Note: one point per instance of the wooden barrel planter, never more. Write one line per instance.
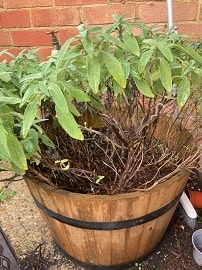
(113, 231)
(108, 231)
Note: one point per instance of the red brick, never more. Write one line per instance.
(157, 12)
(30, 38)
(27, 3)
(103, 14)
(79, 2)
(14, 18)
(5, 38)
(194, 30)
(1, 3)
(65, 34)
(54, 17)
(44, 53)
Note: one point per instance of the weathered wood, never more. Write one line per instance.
(108, 247)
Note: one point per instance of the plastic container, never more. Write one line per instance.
(197, 246)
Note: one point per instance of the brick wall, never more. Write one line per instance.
(24, 23)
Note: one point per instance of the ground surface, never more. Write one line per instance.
(35, 249)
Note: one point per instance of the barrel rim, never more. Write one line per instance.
(182, 173)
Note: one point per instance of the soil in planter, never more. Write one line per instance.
(101, 164)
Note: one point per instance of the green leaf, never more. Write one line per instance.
(65, 117)
(183, 92)
(29, 116)
(31, 77)
(6, 115)
(77, 93)
(144, 59)
(9, 100)
(31, 142)
(166, 52)
(115, 69)
(88, 44)
(100, 177)
(190, 51)
(17, 155)
(29, 93)
(5, 76)
(4, 151)
(126, 68)
(62, 53)
(114, 40)
(93, 73)
(151, 42)
(5, 194)
(144, 88)
(47, 141)
(131, 44)
(43, 87)
(165, 74)
(71, 106)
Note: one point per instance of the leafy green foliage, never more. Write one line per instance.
(5, 194)
(97, 61)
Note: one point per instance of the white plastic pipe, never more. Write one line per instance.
(188, 207)
(170, 13)
(184, 200)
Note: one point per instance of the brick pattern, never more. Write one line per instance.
(26, 3)
(23, 24)
(5, 38)
(14, 19)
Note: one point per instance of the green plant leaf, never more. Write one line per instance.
(144, 59)
(93, 73)
(75, 92)
(29, 77)
(86, 40)
(43, 87)
(6, 115)
(62, 53)
(100, 177)
(47, 141)
(165, 74)
(166, 52)
(65, 117)
(115, 69)
(5, 76)
(71, 106)
(126, 68)
(190, 51)
(4, 153)
(5, 194)
(31, 142)
(144, 88)
(131, 44)
(183, 92)
(114, 40)
(17, 155)
(29, 116)
(9, 100)
(28, 93)
(88, 45)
